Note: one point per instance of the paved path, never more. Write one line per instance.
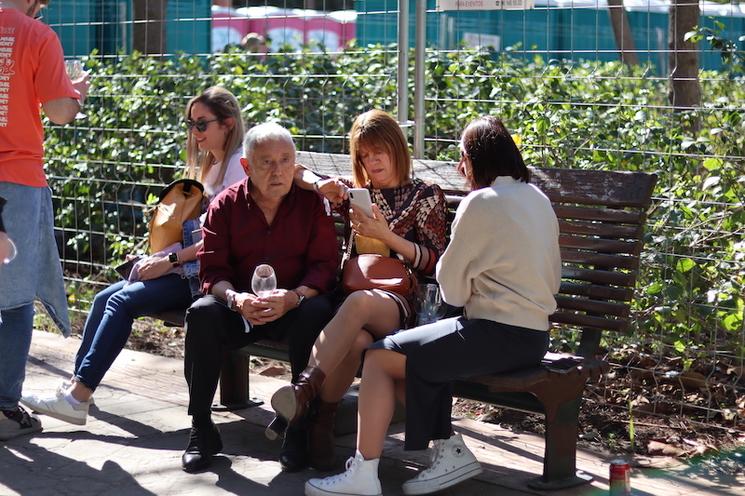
(135, 435)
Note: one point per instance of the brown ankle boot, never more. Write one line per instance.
(292, 402)
(321, 436)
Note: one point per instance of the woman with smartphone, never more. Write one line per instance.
(391, 214)
(213, 150)
(503, 266)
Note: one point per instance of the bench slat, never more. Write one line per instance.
(600, 229)
(595, 187)
(600, 245)
(596, 291)
(581, 320)
(569, 255)
(608, 215)
(599, 276)
(593, 306)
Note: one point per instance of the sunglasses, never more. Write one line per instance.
(200, 125)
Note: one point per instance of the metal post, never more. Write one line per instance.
(421, 40)
(403, 63)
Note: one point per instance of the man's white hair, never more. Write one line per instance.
(268, 131)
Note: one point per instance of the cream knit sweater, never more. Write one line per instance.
(503, 261)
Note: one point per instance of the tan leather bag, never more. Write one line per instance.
(178, 202)
(369, 271)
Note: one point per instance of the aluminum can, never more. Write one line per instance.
(620, 478)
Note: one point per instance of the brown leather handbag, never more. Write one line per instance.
(375, 271)
(369, 271)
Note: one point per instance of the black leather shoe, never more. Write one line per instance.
(203, 443)
(294, 454)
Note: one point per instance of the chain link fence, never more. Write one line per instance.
(583, 83)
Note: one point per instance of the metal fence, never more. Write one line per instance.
(552, 70)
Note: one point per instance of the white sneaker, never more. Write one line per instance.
(58, 407)
(360, 479)
(66, 385)
(452, 462)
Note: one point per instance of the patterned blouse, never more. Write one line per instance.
(417, 212)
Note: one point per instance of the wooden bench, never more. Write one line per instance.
(601, 218)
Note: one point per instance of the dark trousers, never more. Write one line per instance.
(212, 329)
(450, 349)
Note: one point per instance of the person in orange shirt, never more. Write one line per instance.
(32, 78)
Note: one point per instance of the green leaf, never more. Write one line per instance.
(684, 265)
(679, 346)
(712, 164)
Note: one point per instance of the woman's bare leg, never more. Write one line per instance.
(80, 391)
(337, 384)
(383, 368)
(372, 311)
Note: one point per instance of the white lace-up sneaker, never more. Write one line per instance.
(58, 407)
(360, 479)
(452, 462)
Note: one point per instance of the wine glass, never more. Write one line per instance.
(74, 68)
(12, 252)
(430, 304)
(264, 281)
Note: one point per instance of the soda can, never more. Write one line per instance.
(620, 478)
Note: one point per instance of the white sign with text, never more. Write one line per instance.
(484, 4)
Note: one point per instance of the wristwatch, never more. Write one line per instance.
(173, 258)
(230, 299)
(300, 297)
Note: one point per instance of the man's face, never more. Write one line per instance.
(271, 168)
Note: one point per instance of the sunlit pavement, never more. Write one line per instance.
(135, 434)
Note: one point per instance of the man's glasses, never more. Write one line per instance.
(200, 125)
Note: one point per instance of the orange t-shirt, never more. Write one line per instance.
(32, 72)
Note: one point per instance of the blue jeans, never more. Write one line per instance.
(15, 341)
(109, 322)
(36, 273)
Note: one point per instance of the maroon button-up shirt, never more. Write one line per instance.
(300, 244)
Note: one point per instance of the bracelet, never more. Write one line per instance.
(315, 185)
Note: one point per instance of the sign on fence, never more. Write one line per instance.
(484, 4)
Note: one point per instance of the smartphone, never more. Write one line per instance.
(360, 199)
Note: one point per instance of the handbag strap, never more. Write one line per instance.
(348, 249)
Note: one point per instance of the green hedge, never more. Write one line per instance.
(587, 115)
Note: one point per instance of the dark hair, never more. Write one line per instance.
(492, 152)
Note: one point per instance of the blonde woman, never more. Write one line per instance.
(215, 132)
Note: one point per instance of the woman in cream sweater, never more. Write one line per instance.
(503, 266)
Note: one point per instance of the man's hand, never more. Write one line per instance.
(267, 309)
(153, 268)
(333, 190)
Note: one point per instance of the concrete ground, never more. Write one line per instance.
(135, 434)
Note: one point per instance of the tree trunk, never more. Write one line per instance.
(148, 32)
(622, 32)
(685, 92)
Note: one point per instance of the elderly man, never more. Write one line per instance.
(32, 78)
(264, 219)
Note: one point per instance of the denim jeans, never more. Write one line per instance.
(15, 340)
(109, 322)
(35, 273)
